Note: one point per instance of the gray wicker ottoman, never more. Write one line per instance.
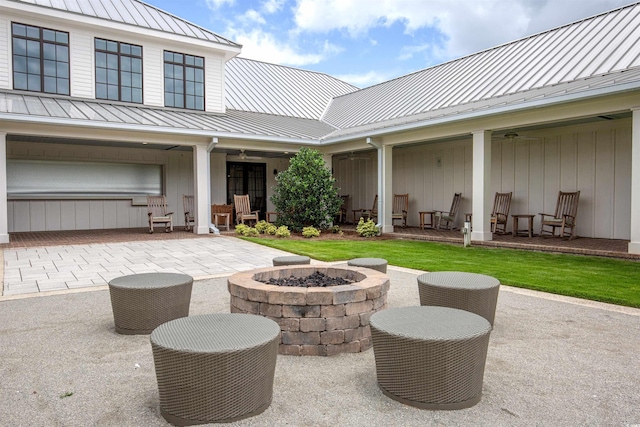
(142, 302)
(215, 367)
(472, 292)
(430, 357)
(379, 264)
(291, 260)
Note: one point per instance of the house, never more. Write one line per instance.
(104, 102)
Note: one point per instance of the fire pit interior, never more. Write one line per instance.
(315, 320)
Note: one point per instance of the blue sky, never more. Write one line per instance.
(365, 42)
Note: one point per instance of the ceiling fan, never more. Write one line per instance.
(353, 157)
(244, 156)
(512, 136)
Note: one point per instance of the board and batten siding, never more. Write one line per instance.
(595, 159)
(152, 75)
(213, 86)
(45, 215)
(82, 68)
(5, 49)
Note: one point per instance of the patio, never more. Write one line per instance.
(551, 361)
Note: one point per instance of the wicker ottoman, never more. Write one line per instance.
(379, 264)
(215, 367)
(142, 302)
(472, 292)
(430, 357)
(291, 260)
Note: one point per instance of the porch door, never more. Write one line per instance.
(251, 179)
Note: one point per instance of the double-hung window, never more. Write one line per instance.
(118, 71)
(183, 81)
(40, 59)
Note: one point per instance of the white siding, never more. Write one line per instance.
(82, 64)
(152, 77)
(41, 215)
(5, 49)
(214, 89)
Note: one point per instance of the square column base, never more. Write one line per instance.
(481, 236)
(634, 247)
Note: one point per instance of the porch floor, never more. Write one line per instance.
(580, 245)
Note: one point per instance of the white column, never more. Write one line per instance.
(4, 222)
(201, 179)
(385, 185)
(634, 244)
(481, 186)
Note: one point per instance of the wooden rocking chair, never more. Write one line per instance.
(400, 208)
(189, 212)
(341, 216)
(448, 217)
(500, 212)
(157, 211)
(564, 217)
(371, 214)
(243, 209)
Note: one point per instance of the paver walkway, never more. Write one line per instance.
(53, 268)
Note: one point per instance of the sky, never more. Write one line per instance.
(365, 42)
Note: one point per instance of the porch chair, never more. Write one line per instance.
(157, 211)
(500, 212)
(243, 209)
(341, 216)
(448, 217)
(189, 212)
(369, 213)
(564, 217)
(400, 208)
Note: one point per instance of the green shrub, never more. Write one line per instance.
(305, 194)
(262, 226)
(336, 230)
(367, 228)
(283, 231)
(310, 232)
(240, 228)
(250, 232)
(271, 229)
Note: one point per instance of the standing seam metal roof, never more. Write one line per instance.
(133, 12)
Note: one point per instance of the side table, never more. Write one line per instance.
(424, 214)
(517, 231)
(224, 215)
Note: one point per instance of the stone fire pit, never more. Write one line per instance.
(315, 321)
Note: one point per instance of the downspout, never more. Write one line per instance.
(210, 147)
(381, 194)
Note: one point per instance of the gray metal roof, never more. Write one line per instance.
(133, 12)
(273, 89)
(604, 44)
(74, 111)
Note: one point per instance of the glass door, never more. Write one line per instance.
(251, 179)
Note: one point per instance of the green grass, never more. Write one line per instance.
(594, 278)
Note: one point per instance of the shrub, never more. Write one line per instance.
(250, 232)
(310, 232)
(283, 231)
(336, 230)
(271, 229)
(367, 228)
(240, 228)
(262, 226)
(305, 194)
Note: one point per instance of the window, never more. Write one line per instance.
(118, 71)
(183, 81)
(40, 59)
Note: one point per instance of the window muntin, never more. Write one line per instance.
(183, 81)
(40, 59)
(118, 71)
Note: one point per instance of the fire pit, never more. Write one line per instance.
(315, 321)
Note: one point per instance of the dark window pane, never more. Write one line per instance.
(19, 47)
(33, 82)
(20, 81)
(62, 37)
(101, 75)
(188, 59)
(168, 56)
(178, 57)
(178, 72)
(33, 66)
(112, 77)
(168, 99)
(191, 102)
(101, 91)
(63, 70)
(125, 48)
(199, 89)
(199, 76)
(136, 95)
(101, 60)
(189, 73)
(136, 65)
(101, 44)
(178, 101)
(112, 61)
(136, 50)
(199, 103)
(168, 85)
(63, 86)
(62, 53)
(199, 62)
(50, 84)
(112, 92)
(33, 32)
(49, 51)
(125, 94)
(125, 63)
(20, 64)
(33, 49)
(168, 70)
(189, 89)
(136, 80)
(112, 46)
(49, 70)
(19, 30)
(49, 35)
(178, 86)
(125, 79)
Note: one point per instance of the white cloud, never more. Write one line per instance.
(364, 80)
(272, 6)
(252, 17)
(215, 4)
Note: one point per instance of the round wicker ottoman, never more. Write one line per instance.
(472, 292)
(215, 367)
(291, 260)
(430, 357)
(142, 302)
(379, 264)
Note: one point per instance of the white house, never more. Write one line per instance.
(104, 102)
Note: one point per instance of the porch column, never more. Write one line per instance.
(201, 189)
(481, 207)
(4, 222)
(634, 244)
(385, 185)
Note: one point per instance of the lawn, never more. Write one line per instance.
(594, 278)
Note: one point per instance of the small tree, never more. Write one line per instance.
(305, 193)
